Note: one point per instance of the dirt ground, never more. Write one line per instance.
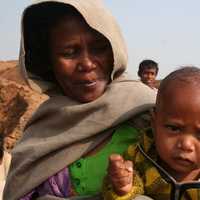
(17, 103)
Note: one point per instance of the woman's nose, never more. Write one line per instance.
(86, 62)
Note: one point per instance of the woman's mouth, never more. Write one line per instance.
(87, 84)
(90, 84)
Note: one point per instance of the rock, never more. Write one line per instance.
(17, 104)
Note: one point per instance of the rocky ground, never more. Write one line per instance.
(17, 103)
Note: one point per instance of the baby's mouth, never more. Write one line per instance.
(184, 161)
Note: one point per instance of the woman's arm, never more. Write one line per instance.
(58, 185)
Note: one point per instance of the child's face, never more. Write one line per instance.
(82, 59)
(176, 124)
(148, 76)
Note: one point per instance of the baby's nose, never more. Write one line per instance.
(186, 143)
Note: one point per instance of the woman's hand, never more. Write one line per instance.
(120, 173)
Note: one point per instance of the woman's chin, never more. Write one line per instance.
(86, 95)
(87, 98)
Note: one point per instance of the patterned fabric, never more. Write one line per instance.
(137, 188)
(141, 121)
(153, 184)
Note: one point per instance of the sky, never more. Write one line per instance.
(166, 31)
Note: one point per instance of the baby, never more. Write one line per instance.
(166, 162)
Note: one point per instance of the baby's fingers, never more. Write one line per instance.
(128, 165)
(119, 173)
(121, 182)
(115, 160)
(116, 163)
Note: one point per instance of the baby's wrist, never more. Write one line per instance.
(123, 190)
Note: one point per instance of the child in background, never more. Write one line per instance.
(166, 162)
(148, 70)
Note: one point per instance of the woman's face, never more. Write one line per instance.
(82, 59)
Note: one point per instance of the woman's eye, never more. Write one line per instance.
(68, 53)
(100, 48)
(173, 128)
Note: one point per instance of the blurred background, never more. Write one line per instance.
(165, 31)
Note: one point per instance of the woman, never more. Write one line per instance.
(73, 50)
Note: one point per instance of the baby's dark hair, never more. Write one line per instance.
(38, 22)
(147, 64)
(186, 75)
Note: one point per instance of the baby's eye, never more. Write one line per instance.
(173, 128)
(198, 135)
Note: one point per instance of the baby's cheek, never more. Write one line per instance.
(198, 161)
(198, 156)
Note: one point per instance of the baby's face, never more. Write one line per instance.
(176, 124)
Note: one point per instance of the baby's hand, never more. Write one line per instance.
(120, 173)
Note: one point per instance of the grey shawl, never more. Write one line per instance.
(62, 130)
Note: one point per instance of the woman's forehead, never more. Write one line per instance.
(73, 26)
(72, 22)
